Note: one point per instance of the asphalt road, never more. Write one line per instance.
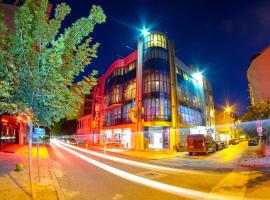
(82, 178)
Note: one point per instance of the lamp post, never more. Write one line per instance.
(0, 132)
(228, 109)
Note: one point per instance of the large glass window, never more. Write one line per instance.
(155, 40)
(190, 116)
(117, 115)
(116, 94)
(155, 53)
(129, 89)
(112, 117)
(156, 108)
(118, 72)
(156, 81)
(126, 108)
(130, 67)
(189, 94)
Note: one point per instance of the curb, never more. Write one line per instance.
(254, 165)
(58, 190)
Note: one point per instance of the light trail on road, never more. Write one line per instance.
(133, 163)
(179, 191)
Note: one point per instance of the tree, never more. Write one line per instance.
(260, 111)
(39, 63)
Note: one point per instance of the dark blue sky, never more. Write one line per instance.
(219, 36)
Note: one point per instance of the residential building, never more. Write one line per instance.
(258, 77)
(149, 99)
(225, 125)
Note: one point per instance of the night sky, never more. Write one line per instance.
(219, 36)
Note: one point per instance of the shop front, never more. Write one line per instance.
(157, 137)
(119, 137)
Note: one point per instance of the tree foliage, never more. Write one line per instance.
(38, 64)
(261, 112)
(258, 111)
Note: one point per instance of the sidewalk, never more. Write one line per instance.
(258, 159)
(15, 185)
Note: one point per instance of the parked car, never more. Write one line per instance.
(221, 145)
(252, 142)
(199, 143)
(234, 141)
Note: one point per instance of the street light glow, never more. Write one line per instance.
(145, 32)
(198, 77)
(228, 109)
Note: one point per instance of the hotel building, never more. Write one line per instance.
(149, 99)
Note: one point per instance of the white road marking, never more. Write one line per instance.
(133, 163)
(179, 191)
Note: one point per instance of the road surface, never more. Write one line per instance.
(85, 176)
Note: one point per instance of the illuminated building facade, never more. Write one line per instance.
(150, 99)
(224, 125)
(258, 77)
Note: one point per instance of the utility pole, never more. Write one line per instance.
(30, 125)
(0, 132)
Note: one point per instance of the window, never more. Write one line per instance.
(116, 94)
(129, 90)
(118, 72)
(126, 108)
(188, 94)
(156, 108)
(112, 117)
(155, 53)
(155, 40)
(116, 116)
(155, 81)
(130, 67)
(190, 116)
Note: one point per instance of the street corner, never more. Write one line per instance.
(256, 163)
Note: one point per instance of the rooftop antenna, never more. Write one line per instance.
(119, 57)
(130, 48)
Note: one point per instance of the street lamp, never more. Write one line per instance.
(198, 77)
(145, 32)
(228, 109)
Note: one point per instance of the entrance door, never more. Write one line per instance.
(126, 140)
(155, 138)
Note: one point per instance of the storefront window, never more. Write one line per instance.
(157, 137)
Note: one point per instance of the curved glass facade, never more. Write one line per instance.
(156, 92)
